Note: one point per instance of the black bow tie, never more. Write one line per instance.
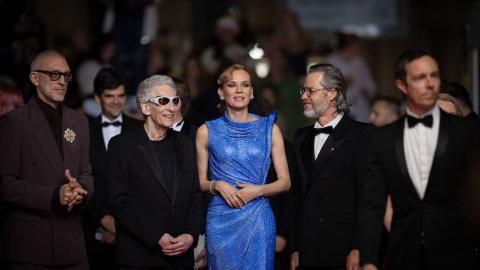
(115, 124)
(327, 130)
(426, 121)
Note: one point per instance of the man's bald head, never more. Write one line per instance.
(41, 58)
(50, 74)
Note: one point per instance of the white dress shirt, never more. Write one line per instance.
(178, 126)
(419, 143)
(321, 138)
(111, 131)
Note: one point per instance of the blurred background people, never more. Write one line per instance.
(462, 99)
(225, 48)
(102, 55)
(10, 97)
(361, 86)
(385, 110)
(449, 104)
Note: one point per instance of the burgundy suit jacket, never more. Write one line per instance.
(31, 169)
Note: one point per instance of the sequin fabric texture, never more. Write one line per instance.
(240, 238)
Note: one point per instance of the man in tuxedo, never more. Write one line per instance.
(98, 222)
(45, 172)
(420, 161)
(153, 185)
(180, 123)
(331, 164)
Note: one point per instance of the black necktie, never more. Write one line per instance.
(115, 124)
(327, 130)
(426, 121)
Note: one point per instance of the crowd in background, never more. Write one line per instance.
(122, 43)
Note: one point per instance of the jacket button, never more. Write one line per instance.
(321, 220)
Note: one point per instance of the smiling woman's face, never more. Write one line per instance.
(237, 92)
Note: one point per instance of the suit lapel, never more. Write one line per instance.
(43, 135)
(400, 153)
(186, 128)
(177, 163)
(70, 140)
(146, 148)
(128, 124)
(98, 135)
(439, 151)
(307, 155)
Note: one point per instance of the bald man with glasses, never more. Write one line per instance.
(46, 176)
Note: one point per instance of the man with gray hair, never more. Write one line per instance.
(153, 185)
(331, 161)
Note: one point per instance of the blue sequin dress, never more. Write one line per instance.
(240, 238)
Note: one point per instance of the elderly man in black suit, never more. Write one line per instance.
(331, 164)
(98, 222)
(45, 173)
(153, 185)
(419, 161)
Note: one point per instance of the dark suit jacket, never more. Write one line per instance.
(31, 166)
(325, 199)
(436, 225)
(142, 204)
(98, 206)
(189, 129)
(279, 204)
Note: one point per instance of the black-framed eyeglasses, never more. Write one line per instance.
(309, 90)
(56, 75)
(162, 100)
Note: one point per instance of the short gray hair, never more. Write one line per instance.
(144, 88)
(333, 78)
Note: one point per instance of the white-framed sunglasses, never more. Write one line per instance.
(162, 100)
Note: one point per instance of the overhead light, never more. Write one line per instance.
(256, 52)
(145, 40)
(262, 68)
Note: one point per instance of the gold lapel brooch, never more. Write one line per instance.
(69, 135)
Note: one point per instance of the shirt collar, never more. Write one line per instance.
(435, 112)
(332, 123)
(180, 123)
(46, 108)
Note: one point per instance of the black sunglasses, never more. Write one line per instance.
(56, 75)
(162, 100)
